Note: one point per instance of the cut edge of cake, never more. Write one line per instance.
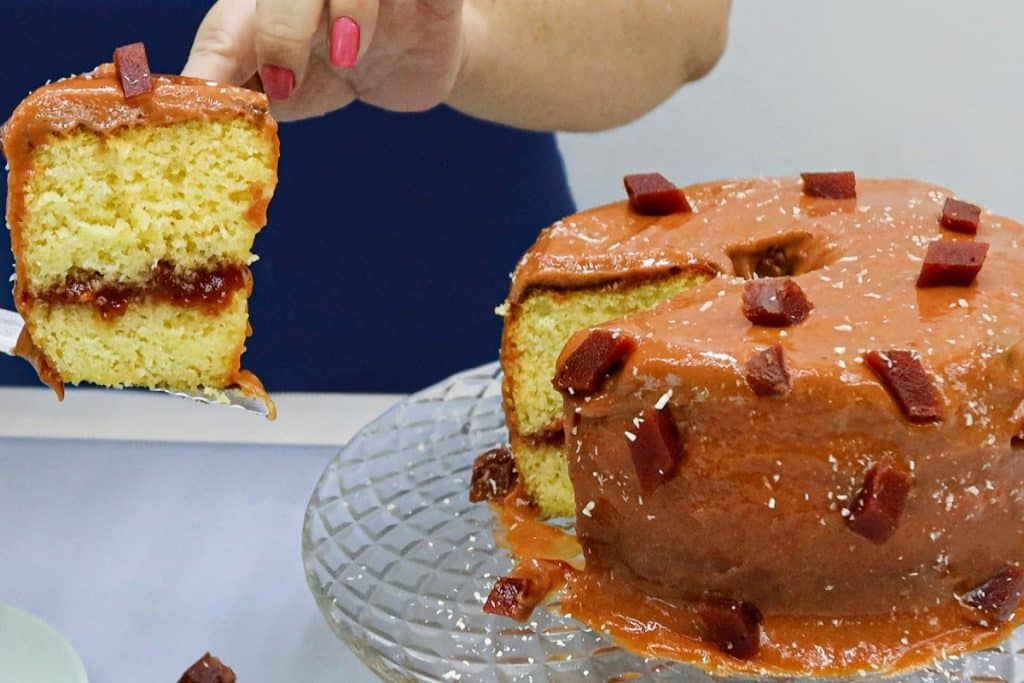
(536, 330)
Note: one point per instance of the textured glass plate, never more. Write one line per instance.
(400, 562)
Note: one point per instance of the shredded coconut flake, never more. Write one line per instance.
(663, 401)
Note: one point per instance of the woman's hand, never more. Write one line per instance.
(541, 64)
(314, 56)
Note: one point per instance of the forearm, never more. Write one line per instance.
(582, 64)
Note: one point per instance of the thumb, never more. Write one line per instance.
(224, 48)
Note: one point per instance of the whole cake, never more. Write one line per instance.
(133, 203)
(814, 437)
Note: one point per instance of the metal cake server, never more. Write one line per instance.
(11, 325)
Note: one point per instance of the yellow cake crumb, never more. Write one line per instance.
(152, 344)
(544, 472)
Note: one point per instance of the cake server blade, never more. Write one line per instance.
(11, 325)
(10, 328)
(228, 397)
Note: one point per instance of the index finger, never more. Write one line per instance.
(224, 48)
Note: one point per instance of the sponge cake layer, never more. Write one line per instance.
(118, 204)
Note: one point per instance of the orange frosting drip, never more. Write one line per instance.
(48, 375)
(522, 532)
(251, 385)
(791, 645)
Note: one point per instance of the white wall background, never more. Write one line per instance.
(933, 90)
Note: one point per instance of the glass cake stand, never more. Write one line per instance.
(400, 562)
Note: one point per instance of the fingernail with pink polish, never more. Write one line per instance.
(278, 82)
(344, 43)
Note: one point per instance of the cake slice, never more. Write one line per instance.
(133, 203)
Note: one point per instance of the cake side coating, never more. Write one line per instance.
(758, 508)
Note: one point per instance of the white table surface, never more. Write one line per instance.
(148, 529)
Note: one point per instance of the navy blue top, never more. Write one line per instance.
(390, 238)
